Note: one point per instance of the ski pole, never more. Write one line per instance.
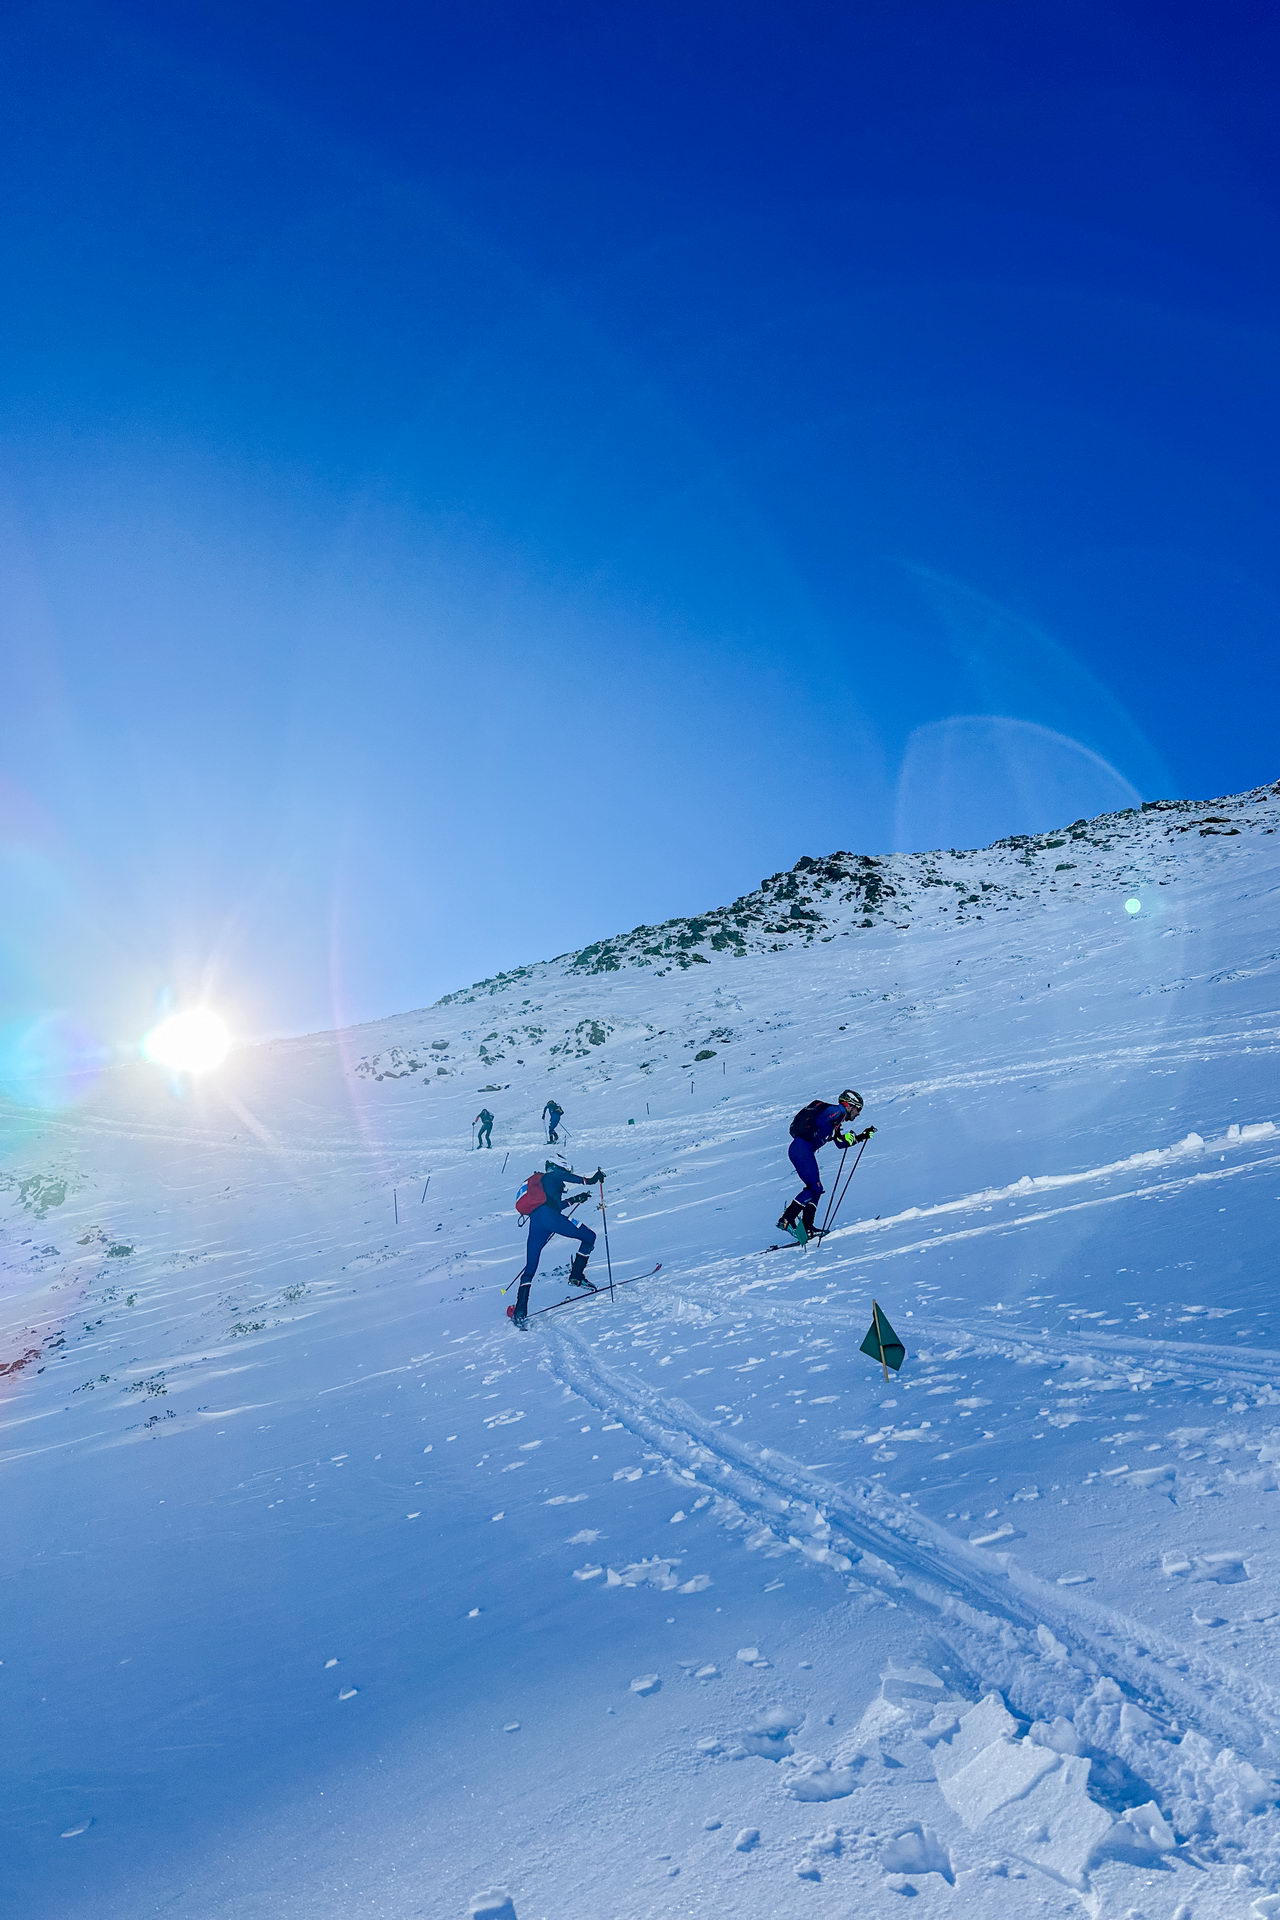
(835, 1188)
(608, 1258)
(853, 1169)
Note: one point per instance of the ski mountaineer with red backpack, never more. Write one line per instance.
(541, 1199)
(811, 1129)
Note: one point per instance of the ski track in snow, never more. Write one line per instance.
(995, 1623)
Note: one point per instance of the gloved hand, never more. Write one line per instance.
(597, 1175)
(864, 1136)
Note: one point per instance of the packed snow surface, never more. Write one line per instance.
(330, 1596)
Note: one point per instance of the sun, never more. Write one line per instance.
(193, 1042)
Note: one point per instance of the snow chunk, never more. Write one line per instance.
(769, 1735)
(1030, 1800)
(901, 1684)
(808, 1778)
(747, 1838)
(1224, 1569)
(1142, 1830)
(646, 1683)
(491, 1906)
(654, 1572)
(916, 1850)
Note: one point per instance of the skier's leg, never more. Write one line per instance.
(805, 1161)
(540, 1231)
(577, 1230)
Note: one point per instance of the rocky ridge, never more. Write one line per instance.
(836, 897)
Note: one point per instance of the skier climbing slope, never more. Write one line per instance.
(812, 1128)
(541, 1200)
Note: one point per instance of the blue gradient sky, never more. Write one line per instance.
(478, 477)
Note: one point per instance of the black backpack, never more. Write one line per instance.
(805, 1124)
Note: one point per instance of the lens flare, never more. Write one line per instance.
(1133, 906)
(194, 1042)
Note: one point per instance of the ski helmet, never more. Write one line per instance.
(851, 1100)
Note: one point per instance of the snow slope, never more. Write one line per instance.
(329, 1595)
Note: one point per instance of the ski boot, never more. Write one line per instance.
(578, 1272)
(519, 1318)
(804, 1229)
(787, 1218)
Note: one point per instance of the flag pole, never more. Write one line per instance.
(875, 1317)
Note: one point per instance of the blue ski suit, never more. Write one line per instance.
(547, 1220)
(803, 1154)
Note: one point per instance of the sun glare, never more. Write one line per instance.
(194, 1042)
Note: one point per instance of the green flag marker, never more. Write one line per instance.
(882, 1343)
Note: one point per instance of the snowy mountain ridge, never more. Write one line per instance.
(823, 901)
(842, 893)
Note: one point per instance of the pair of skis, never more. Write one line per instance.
(591, 1291)
(809, 1240)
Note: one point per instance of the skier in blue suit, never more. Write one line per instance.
(549, 1219)
(811, 1129)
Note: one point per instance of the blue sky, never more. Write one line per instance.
(477, 478)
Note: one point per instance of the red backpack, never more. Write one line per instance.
(531, 1196)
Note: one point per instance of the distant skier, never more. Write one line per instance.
(811, 1129)
(484, 1120)
(552, 1115)
(542, 1199)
